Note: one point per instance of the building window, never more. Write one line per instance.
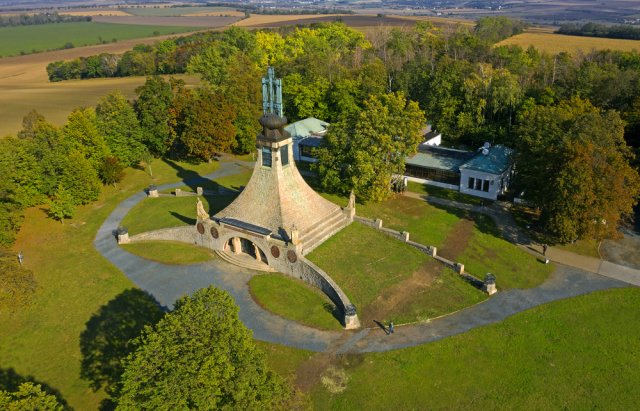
(478, 184)
(266, 156)
(306, 151)
(284, 155)
(471, 183)
(485, 186)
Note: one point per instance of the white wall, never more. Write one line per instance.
(494, 183)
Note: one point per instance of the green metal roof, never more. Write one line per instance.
(433, 160)
(495, 162)
(306, 127)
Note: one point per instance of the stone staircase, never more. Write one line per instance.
(322, 230)
(244, 260)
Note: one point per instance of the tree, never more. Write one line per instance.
(111, 171)
(153, 109)
(573, 164)
(62, 205)
(81, 133)
(199, 356)
(79, 179)
(365, 151)
(29, 396)
(119, 125)
(208, 125)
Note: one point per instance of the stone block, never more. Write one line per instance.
(434, 251)
(378, 223)
(123, 235)
(405, 236)
(178, 192)
(489, 284)
(199, 191)
(459, 268)
(153, 191)
(351, 321)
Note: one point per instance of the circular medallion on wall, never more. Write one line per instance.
(214, 232)
(275, 251)
(200, 228)
(291, 256)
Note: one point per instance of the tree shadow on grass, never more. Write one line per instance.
(108, 336)
(10, 380)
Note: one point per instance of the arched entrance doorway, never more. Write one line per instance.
(239, 245)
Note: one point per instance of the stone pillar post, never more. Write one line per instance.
(178, 192)
(237, 245)
(256, 250)
(123, 235)
(378, 223)
(199, 191)
(405, 236)
(153, 191)
(434, 251)
(351, 321)
(459, 268)
(295, 236)
(489, 285)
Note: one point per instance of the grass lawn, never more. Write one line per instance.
(389, 280)
(165, 212)
(74, 281)
(440, 192)
(364, 267)
(512, 266)
(578, 353)
(232, 182)
(169, 252)
(42, 37)
(291, 298)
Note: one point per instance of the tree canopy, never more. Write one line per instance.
(199, 356)
(573, 163)
(364, 151)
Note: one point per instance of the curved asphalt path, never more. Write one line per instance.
(167, 283)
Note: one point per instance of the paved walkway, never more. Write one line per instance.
(167, 283)
(500, 213)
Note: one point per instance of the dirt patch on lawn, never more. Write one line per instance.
(393, 299)
(457, 240)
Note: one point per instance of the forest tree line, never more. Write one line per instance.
(620, 31)
(39, 18)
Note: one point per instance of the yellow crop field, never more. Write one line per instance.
(91, 13)
(24, 85)
(233, 13)
(264, 20)
(556, 43)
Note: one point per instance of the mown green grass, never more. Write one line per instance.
(169, 252)
(42, 37)
(512, 266)
(578, 353)
(425, 223)
(439, 192)
(291, 298)
(232, 182)
(171, 211)
(364, 261)
(74, 281)
(447, 294)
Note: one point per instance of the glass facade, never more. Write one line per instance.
(433, 174)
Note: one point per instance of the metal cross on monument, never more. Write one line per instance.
(271, 93)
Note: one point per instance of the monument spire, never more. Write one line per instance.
(272, 93)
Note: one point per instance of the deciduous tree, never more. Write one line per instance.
(200, 356)
(573, 163)
(365, 151)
